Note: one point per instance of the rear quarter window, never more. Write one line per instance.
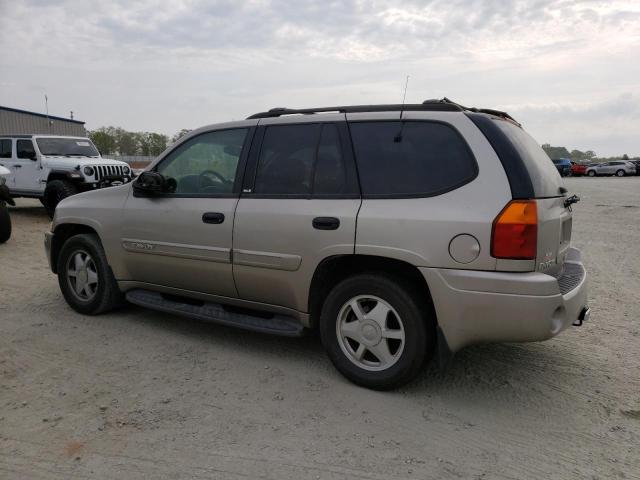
(413, 158)
(545, 179)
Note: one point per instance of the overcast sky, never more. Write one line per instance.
(568, 70)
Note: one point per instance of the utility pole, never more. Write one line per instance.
(46, 106)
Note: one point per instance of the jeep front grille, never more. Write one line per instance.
(108, 170)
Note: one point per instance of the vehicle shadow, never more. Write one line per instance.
(478, 369)
(29, 212)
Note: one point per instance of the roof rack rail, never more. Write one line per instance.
(497, 113)
(440, 107)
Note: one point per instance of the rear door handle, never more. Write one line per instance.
(213, 217)
(18, 166)
(326, 223)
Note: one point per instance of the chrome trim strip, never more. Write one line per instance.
(277, 261)
(178, 250)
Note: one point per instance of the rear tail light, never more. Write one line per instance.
(515, 231)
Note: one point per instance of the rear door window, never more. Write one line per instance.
(25, 149)
(5, 148)
(302, 160)
(413, 158)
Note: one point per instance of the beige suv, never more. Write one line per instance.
(398, 231)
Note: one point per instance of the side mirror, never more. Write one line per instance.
(151, 184)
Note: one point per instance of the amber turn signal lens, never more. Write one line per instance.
(515, 231)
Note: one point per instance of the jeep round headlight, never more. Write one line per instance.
(126, 170)
(89, 171)
(2, 181)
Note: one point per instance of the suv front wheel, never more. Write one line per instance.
(85, 278)
(377, 331)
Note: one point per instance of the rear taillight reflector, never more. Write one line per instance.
(515, 231)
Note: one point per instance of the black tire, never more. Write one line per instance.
(620, 173)
(591, 173)
(56, 191)
(417, 319)
(107, 296)
(5, 223)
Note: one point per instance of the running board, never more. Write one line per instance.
(214, 312)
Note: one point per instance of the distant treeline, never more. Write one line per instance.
(579, 156)
(118, 141)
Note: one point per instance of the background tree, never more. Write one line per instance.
(556, 152)
(104, 140)
(179, 135)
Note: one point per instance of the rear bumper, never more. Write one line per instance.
(481, 307)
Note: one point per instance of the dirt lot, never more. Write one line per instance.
(139, 394)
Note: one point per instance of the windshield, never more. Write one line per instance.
(67, 147)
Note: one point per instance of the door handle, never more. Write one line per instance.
(213, 217)
(18, 166)
(326, 223)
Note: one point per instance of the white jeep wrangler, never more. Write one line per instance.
(51, 167)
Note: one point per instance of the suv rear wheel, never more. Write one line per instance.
(85, 278)
(377, 331)
(56, 191)
(620, 173)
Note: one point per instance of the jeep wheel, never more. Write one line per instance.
(56, 191)
(85, 277)
(620, 173)
(591, 173)
(377, 331)
(5, 223)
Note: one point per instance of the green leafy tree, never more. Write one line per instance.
(179, 135)
(104, 140)
(152, 144)
(128, 142)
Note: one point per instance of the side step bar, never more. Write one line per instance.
(213, 312)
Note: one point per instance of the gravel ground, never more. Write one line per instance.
(140, 394)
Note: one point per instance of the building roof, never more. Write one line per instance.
(51, 117)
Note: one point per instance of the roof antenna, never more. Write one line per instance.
(398, 138)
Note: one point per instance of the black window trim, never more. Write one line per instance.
(347, 156)
(435, 193)
(242, 160)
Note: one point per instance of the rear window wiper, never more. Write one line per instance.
(571, 200)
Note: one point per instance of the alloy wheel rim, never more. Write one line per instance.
(370, 332)
(82, 275)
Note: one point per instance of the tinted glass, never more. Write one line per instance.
(330, 176)
(25, 149)
(67, 147)
(410, 158)
(5, 148)
(545, 178)
(205, 164)
(286, 159)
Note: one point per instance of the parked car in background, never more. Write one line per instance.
(253, 224)
(563, 165)
(619, 168)
(578, 169)
(5, 198)
(52, 168)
